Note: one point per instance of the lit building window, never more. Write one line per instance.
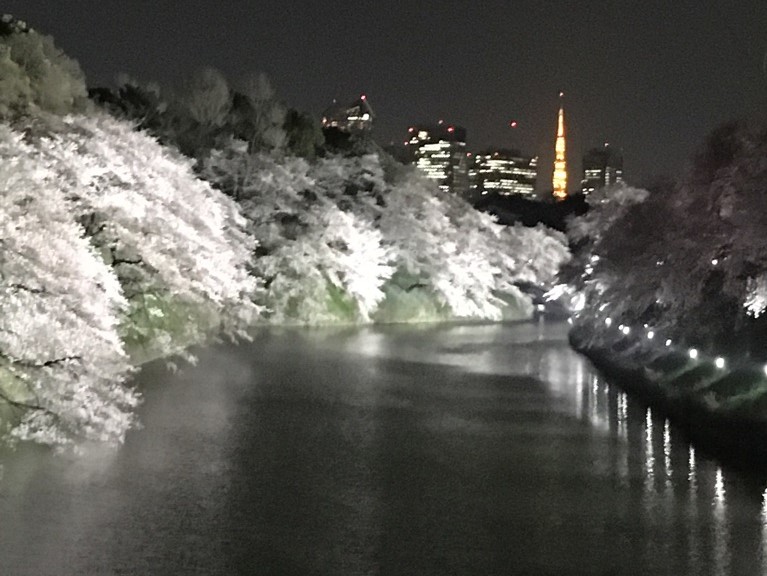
(602, 167)
(440, 153)
(504, 172)
(356, 117)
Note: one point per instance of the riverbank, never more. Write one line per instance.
(722, 411)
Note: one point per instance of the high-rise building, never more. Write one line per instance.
(439, 151)
(559, 180)
(503, 172)
(352, 118)
(601, 167)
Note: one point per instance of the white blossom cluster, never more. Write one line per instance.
(92, 219)
(756, 296)
(348, 239)
(165, 232)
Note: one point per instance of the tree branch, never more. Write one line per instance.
(27, 289)
(21, 405)
(117, 261)
(49, 363)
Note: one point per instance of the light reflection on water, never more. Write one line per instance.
(764, 531)
(679, 499)
(681, 495)
(721, 527)
(496, 449)
(649, 455)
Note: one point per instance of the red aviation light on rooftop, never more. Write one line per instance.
(513, 124)
(411, 130)
(451, 129)
(363, 97)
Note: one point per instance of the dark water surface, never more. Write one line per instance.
(427, 451)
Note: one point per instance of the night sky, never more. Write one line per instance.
(651, 77)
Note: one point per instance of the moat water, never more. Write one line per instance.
(463, 449)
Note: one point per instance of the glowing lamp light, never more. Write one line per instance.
(411, 129)
(450, 129)
(765, 369)
(608, 321)
(626, 330)
(513, 124)
(719, 362)
(363, 97)
(668, 342)
(650, 335)
(693, 353)
(715, 261)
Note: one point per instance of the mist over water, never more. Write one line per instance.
(464, 449)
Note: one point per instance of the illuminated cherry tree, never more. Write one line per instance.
(177, 246)
(462, 256)
(690, 260)
(355, 238)
(62, 364)
(318, 263)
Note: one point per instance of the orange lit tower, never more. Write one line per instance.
(560, 164)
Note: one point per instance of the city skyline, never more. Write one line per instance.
(351, 118)
(506, 171)
(655, 77)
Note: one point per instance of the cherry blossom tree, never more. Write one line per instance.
(177, 246)
(688, 260)
(107, 238)
(318, 263)
(462, 257)
(62, 364)
(353, 238)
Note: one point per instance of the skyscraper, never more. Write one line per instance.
(601, 167)
(503, 172)
(439, 151)
(559, 180)
(352, 118)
